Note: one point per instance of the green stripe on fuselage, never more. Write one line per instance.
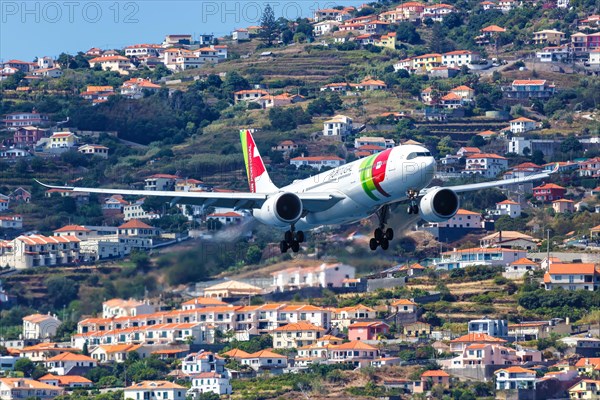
(366, 176)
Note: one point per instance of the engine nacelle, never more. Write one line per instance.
(280, 210)
(439, 205)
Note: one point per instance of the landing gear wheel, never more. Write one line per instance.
(300, 236)
(288, 236)
(415, 209)
(373, 243)
(378, 234)
(409, 210)
(384, 243)
(283, 246)
(389, 233)
(295, 246)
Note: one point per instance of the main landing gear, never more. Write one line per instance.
(291, 240)
(413, 207)
(382, 236)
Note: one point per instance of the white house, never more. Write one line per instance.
(209, 382)
(163, 390)
(240, 34)
(379, 141)
(123, 308)
(519, 268)
(507, 207)
(459, 58)
(318, 162)
(478, 256)
(40, 326)
(265, 360)
(486, 164)
(23, 388)
(463, 219)
(324, 27)
(63, 363)
(324, 275)
(522, 125)
(512, 378)
(116, 63)
(340, 125)
(94, 149)
(575, 276)
(203, 361)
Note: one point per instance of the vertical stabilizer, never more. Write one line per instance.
(258, 178)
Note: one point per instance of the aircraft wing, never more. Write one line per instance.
(486, 185)
(312, 202)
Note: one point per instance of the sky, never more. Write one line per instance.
(30, 29)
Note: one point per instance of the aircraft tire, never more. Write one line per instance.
(389, 233)
(373, 243)
(300, 236)
(283, 246)
(378, 234)
(384, 243)
(295, 246)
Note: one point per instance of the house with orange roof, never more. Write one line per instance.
(70, 381)
(588, 365)
(136, 228)
(438, 11)
(65, 363)
(324, 275)
(451, 101)
(411, 11)
(120, 308)
(522, 125)
(520, 268)
(587, 389)
(464, 92)
(513, 378)
(507, 207)
(572, 276)
(463, 219)
(45, 350)
(24, 388)
(488, 165)
(343, 317)
(231, 288)
(367, 330)
(251, 95)
(107, 353)
(209, 382)
(459, 344)
(40, 326)
(265, 360)
(39, 250)
(430, 378)
(424, 63)
(403, 306)
(202, 361)
(61, 141)
(549, 192)
(115, 63)
(150, 389)
(354, 352)
(387, 40)
(161, 182)
(458, 58)
(201, 302)
(525, 89)
(284, 99)
(369, 84)
(94, 150)
(295, 335)
(135, 88)
(509, 240)
(482, 355)
(562, 206)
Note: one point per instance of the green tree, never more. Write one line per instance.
(25, 365)
(269, 28)
(253, 255)
(61, 291)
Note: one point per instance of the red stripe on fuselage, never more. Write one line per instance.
(378, 170)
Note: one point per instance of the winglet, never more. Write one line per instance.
(556, 167)
(258, 177)
(52, 186)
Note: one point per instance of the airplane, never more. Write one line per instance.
(342, 195)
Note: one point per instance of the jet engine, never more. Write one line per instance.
(439, 205)
(280, 210)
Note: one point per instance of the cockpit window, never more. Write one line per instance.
(410, 156)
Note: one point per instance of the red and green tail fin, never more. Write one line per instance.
(258, 178)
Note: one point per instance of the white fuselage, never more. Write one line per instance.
(367, 186)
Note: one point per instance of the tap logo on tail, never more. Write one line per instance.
(258, 179)
(372, 173)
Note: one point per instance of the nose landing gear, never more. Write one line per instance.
(382, 236)
(291, 240)
(413, 207)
